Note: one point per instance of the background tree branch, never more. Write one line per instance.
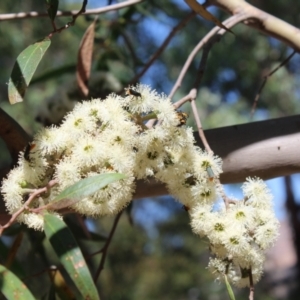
(262, 21)
(96, 11)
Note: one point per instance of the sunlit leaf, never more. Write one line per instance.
(12, 287)
(70, 256)
(24, 68)
(88, 186)
(199, 9)
(84, 59)
(52, 7)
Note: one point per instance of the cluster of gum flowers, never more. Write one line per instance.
(239, 235)
(141, 136)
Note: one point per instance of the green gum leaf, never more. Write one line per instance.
(88, 186)
(24, 68)
(70, 255)
(12, 287)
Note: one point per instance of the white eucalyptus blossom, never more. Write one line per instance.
(257, 193)
(112, 136)
(240, 234)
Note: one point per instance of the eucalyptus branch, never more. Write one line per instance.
(199, 124)
(262, 21)
(228, 23)
(185, 99)
(96, 11)
(32, 197)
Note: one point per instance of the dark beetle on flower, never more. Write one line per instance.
(28, 148)
(131, 92)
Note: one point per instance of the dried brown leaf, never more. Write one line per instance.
(84, 59)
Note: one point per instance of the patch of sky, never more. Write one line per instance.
(158, 27)
(96, 3)
(156, 77)
(294, 65)
(226, 74)
(232, 97)
(91, 3)
(173, 241)
(261, 114)
(274, 42)
(277, 188)
(296, 187)
(150, 212)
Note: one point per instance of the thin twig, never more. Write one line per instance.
(158, 52)
(206, 48)
(198, 123)
(105, 248)
(96, 11)
(35, 194)
(251, 294)
(230, 22)
(220, 187)
(74, 17)
(206, 145)
(202, 65)
(266, 77)
(185, 99)
(196, 85)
